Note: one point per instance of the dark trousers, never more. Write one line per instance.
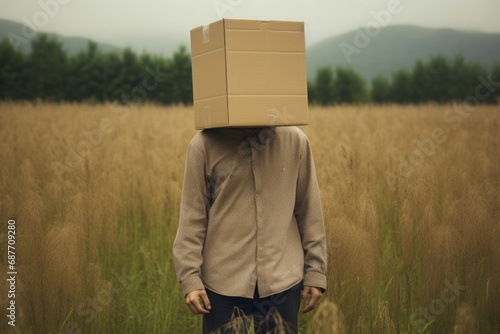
(234, 314)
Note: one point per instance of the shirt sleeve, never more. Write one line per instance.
(309, 215)
(189, 241)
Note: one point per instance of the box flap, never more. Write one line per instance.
(211, 113)
(207, 38)
(275, 36)
(263, 25)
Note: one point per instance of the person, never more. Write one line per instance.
(251, 242)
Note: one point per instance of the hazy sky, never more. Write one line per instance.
(106, 20)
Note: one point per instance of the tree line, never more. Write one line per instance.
(437, 80)
(49, 73)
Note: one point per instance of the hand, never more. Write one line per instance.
(313, 301)
(193, 300)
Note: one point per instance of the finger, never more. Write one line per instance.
(199, 308)
(189, 304)
(312, 302)
(191, 308)
(193, 302)
(196, 304)
(206, 301)
(305, 292)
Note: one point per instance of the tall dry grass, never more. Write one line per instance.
(423, 241)
(95, 234)
(412, 247)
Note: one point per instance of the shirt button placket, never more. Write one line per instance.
(258, 213)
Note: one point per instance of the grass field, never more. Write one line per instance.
(411, 198)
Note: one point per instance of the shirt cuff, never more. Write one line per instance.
(191, 283)
(315, 279)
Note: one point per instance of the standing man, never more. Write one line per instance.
(251, 240)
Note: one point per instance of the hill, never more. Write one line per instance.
(71, 45)
(163, 45)
(398, 47)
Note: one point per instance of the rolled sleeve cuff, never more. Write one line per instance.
(191, 283)
(315, 279)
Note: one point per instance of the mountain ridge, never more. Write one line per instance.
(22, 40)
(73, 44)
(400, 46)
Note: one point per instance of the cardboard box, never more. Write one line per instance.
(249, 73)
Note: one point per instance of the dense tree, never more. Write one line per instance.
(495, 78)
(12, 73)
(439, 80)
(324, 86)
(87, 75)
(180, 76)
(112, 69)
(311, 92)
(401, 88)
(348, 86)
(419, 80)
(47, 75)
(459, 70)
(380, 89)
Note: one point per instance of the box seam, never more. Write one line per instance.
(225, 68)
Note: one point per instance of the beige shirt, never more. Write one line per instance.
(250, 212)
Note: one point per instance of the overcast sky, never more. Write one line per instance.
(105, 20)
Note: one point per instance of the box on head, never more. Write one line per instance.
(249, 73)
